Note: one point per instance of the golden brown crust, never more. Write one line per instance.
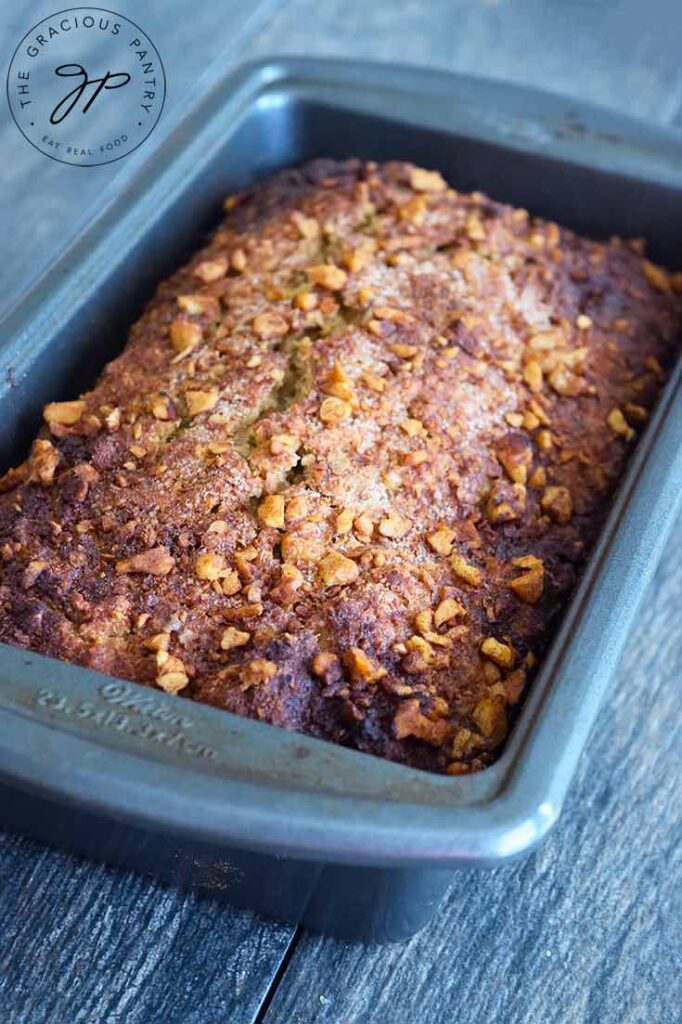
(347, 469)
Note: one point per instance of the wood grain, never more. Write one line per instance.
(82, 944)
(589, 930)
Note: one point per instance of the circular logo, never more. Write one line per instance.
(86, 86)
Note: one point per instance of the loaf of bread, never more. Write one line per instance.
(347, 469)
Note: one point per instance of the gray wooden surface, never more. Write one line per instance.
(589, 930)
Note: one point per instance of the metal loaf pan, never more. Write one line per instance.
(288, 825)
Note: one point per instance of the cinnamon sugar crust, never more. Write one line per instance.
(348, 468)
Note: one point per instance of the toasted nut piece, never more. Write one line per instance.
(301, 547)
(257, 672)
(505, 502)
(337, 570)
(515, 452)
(412, 427)
(423, 621)
(43, 462)
(232, 638)
(657, 277)
(344, 521)
(465, 571)
(529, 586)
(211, 270)
(357, 259)
(491, 718)
(201, 401)
(544, 440)
(447, 610)
(157, 561)
(338, 383)
(172, 676)
(583, 322)
(324, 663)
(361, 667)
(305, 301)
(538, 477)
(619, 425)
(441, 540)
(270, 325)
(184, 335)
(195, 305)
(66, 414)
(271, 511)
(308, 227)
(426, 181)
(210, 567)
(333, 411)
(500, 654)
(158, 642)
(328, 275)
(532, 374)
(159, 407)
(557, 503)
(238, 261)
(409, 721)
(394, 526)
(230, 583)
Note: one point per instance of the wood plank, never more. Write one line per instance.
(587, 931)
(620, 54)
(85, 944)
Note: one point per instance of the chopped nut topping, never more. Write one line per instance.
(344, 521)
(409, 721)
(441, 540)
(337, 570)
(490, 717)
(230, 583)
(195, 305)
(257, 672)
(532, 374)
(426, 181)
(156, 561)
(333, 411)
(619, 425)
(529, 586)
(308, 227)
(465, 571)
(583, 322)
(324, 663)
(505, 502)
(238, 261)
(270, 325)
(201, 401)
(65, 414)
(210, 567)
(338, 383)
(557, 503)
(447, 610)
(232, 638)
(361, 667)
(185, 335)
(211, 270)
(271, 511)
(657, 277)
(515, 452)
(301, 547)
(329, 276)
(412, 427)
(172, 676)
(394, 526)
(500, 654)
